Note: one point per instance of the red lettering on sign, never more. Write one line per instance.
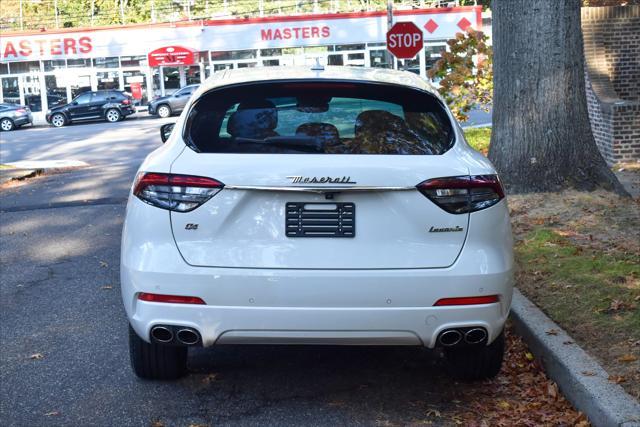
(295, 33)
(56, 47)
(25, 48)
(41, 43)
(85, 44)
(69, 46)
(9, 50)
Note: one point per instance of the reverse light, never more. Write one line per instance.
(173, 299)
(463, 194)
(488, 299)
(177, 193)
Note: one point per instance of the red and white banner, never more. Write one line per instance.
(235, 34)
(172, 55)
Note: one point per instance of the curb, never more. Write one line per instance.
(604, 403)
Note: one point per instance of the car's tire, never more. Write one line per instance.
(476, 362)
(58, 120)
(6, 125)
(156, 361)
(112, 115)
(163, 111)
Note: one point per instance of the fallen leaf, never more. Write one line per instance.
(588, 373)
(552, 390)
(618, 379)
(52, 414)
(433, 413)
(209, 378)
(567, 342)
(503, 404)
(627, 358)
(156, 423)
(552, 332)
(106, 287)
(529, 356)
(36, 356)
(103, 264)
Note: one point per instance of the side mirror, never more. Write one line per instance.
(165, 131)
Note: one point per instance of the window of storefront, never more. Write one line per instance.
(24, 67)
(235, 54)
(109, 62)
(171, 76)
(10, 91)
(56, 91)
(79, 84)
(79, 63)
(133, 61)
(54, 64)
(136, 78)
(31, 88)
(192, 74)
(380, 58)
(108, 80)
(270, 52)
(4, 68)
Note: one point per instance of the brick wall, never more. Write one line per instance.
(612, 74)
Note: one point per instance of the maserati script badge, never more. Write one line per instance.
(320, 180)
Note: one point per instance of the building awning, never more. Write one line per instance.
(172, 56)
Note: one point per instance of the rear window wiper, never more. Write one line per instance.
(300, 143)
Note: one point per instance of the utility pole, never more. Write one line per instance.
(93, 10)
(261, 7)
(153, 11)
(122, 11)
(394, 61)
(188, 9)
(21, 24)
(55, 7)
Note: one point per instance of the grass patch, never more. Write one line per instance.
(3, 166)
(582, 287)
(479, 138)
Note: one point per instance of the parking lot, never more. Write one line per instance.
(64, 331)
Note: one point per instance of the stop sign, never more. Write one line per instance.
(404, 40)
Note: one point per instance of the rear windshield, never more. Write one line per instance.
(319, 118)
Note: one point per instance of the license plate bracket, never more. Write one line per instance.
(304, 219)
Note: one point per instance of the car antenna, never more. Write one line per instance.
(317, 66)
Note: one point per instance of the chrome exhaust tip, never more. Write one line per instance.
(475, 336)
(450, 337)
(188, 336)
(161, 334)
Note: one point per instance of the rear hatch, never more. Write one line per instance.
(319, 177)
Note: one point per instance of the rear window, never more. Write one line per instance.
(319, 118)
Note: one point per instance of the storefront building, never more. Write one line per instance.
(41, 69)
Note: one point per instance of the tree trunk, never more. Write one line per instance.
(541, 139)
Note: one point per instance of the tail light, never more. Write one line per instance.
(463, 194)
(21, 110)
(173, 299)
(178, 193)
(488, 299)
(126, 101)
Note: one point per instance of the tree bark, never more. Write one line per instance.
(541, 139)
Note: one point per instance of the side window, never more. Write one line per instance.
(85, 98)
(99, 97)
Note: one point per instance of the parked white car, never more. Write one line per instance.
(316, 206)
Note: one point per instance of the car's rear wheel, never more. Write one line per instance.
(58, 120)
(6, 124)
(156, 361)
(112, 115)
(164, 111)
(475, 363)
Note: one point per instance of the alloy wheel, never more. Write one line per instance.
(57, 120)
(6, 125)
(164, 111)
(113, 116)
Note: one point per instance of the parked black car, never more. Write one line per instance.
(109, 105)
(13, 116)
(165, 106)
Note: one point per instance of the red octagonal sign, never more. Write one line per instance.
(404, 40)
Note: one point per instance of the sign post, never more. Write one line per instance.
(405, 40)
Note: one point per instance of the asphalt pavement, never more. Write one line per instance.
(63, 331)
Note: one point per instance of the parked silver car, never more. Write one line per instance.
(13, 116)
(166, 106)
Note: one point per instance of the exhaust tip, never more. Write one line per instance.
(450, 338)
(188, 336)
(161, 334)
(475, 336)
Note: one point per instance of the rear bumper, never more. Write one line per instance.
(22, 120)
(249, 305)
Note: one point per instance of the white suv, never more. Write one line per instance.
(316, 206)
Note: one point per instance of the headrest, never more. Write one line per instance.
(254, 119)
